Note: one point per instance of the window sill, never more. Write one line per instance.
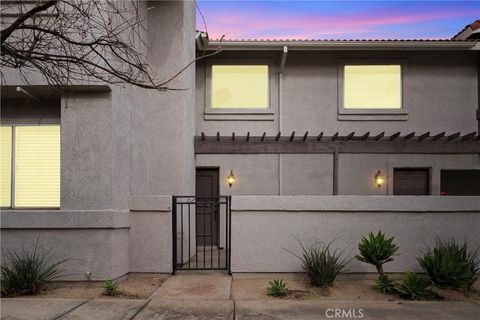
(372, 115)
(240, 115)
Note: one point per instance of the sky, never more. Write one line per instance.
(281, 19)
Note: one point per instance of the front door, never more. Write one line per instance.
(207, 214)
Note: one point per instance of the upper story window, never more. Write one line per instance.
(240, 87)
(30, 166)
(371, 91)
(372, 87)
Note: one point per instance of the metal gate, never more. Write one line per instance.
(201, 233)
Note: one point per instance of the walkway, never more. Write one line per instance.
(205, 297)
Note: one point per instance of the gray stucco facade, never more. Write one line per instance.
(126, 151)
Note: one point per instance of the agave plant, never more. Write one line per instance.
(385, 284)
(451, 265)
(277, 288)
(414, 288)
(377, 250)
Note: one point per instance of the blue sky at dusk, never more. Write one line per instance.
(336, 19)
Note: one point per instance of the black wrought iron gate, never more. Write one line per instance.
(201, 233)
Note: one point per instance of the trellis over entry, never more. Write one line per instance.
(424, 143)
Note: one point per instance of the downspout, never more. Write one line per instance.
(280, 107)
(478, 92)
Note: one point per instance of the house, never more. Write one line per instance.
(278, 140)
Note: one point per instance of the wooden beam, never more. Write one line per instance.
(292, 136)
(335, 173)
(365, 136)
(438, 136)
(424, 136)
(305, 136)
(349, 136)
(319, 137)
(469, 136)
(453, 136)
(409, 136)
(335, 136)
(279, 134)
(328, 146)
(263, 136)
(394, 136)
(379, 136)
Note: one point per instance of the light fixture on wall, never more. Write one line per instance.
(379, 179)
(231, 179)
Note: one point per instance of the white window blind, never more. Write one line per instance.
(37, 166)
(5, 166)
(372, 87)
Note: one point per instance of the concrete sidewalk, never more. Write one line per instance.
(205, 297)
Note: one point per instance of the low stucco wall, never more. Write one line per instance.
(265, 228)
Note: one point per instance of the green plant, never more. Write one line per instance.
(277, 288)
(414, 288)
(110, 288)
(321, 264)
(377, 250)
(451, 265)
(26, 271)
(385, 284)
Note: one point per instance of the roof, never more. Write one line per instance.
(471, 31)
(346, 44)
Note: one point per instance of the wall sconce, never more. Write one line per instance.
(379, 179)
(231, 179)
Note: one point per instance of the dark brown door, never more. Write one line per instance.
(207, 214)
(411, 182)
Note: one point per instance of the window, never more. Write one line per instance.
(460, 182)
(372, 87)
(36, 166)
(371, 90)
(240, 87)
(409, 181)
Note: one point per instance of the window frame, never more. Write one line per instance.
(12, 168)
(266, 114)
(371, 113)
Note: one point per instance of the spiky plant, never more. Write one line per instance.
(385, 284)
(414, 288)
(277, 288)
(377, 250)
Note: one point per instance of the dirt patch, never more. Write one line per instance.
(134, 287)
(347, 287)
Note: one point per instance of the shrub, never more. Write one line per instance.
(414, 288)
(377, 250)
(277, 288)
(321, 263)
(451, 265)
(385, 284)
(27, 271)
(110, 288)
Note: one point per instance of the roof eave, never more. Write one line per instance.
(344, 45)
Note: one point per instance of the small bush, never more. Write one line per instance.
(27, 271)
(110, 288)
(414, 288)
(376, 250)
(451, 265)
(385, 284)
(277, 288)
(321, 263)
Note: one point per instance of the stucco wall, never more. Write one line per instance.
(264, 229)
(440, 94)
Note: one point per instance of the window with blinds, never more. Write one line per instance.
(36, 167)
(240, 87)
(372, 87)
(6, 166)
